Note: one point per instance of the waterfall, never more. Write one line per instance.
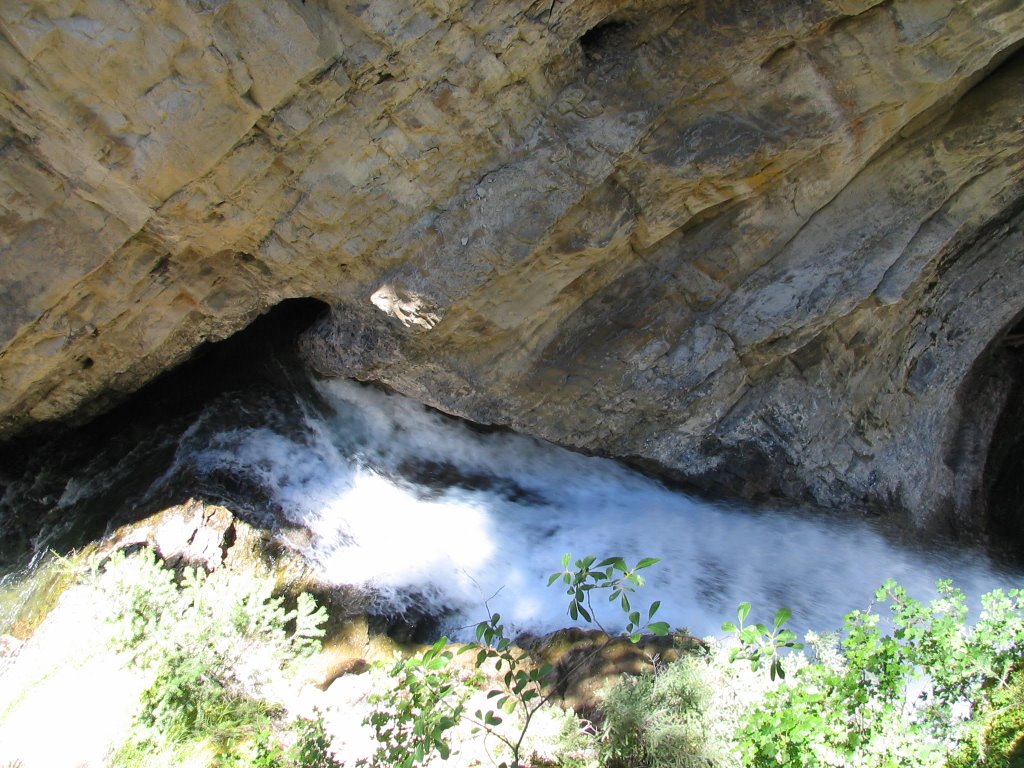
(427, 512)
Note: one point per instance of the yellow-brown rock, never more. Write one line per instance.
(771, 246)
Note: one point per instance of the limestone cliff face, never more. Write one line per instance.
(773, 246)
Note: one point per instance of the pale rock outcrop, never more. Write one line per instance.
(772, 247)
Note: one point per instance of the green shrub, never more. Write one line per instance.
(310, 748)
(211, 643)
(908, 697)
(661, 719)
(1000, 739)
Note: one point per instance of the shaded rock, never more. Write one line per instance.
(585, 661)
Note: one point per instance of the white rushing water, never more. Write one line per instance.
(520, 504)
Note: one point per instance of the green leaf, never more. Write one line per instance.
(647, 562)
(653, 609)
(782, 616)
(659, 628)
(742, 612)
(728, 626)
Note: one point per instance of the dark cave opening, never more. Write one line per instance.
(1003, 480)
(133, 444)
(605, 38)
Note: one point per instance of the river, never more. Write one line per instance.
(430, 512)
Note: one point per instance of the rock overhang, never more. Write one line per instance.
(761, 247)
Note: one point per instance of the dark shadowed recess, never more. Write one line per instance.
(250, 377)
(605, 38)
(1003, 481)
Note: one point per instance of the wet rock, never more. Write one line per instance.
(433, 478)
(414, 624)
(192, 533)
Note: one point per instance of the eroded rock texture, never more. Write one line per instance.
(773, 246)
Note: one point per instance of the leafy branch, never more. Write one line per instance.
(758, 644)
(619, 579)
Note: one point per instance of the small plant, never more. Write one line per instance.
(522, 685)
(411, 724)
(310, 748)
(758, 644)
(999, 737)
(587, 576)
(680, 714)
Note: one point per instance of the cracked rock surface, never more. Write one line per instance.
(774, 248)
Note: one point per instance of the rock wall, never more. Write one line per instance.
(773, 247)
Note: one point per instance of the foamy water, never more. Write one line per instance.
(357, 480)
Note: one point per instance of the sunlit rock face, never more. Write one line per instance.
(773, 247)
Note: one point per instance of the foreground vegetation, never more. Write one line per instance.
(911, 684)
(905, 683)
(212, 645)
